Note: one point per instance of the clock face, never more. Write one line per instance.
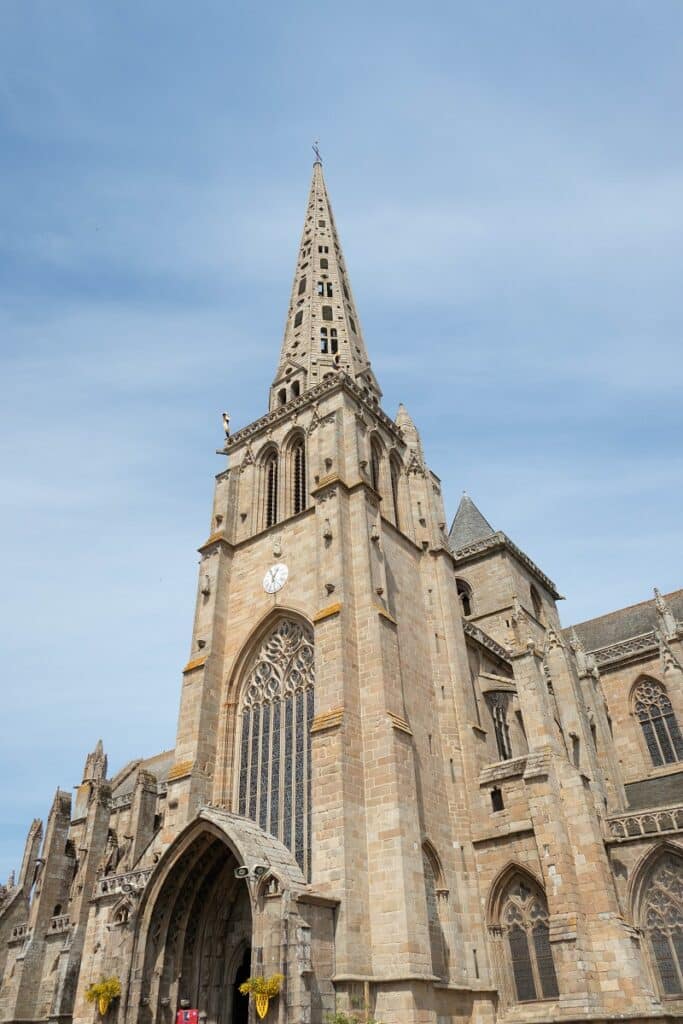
(275, 578)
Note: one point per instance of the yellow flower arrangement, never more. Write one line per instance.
(263, 990)
(103, 993)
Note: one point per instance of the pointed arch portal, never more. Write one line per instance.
(195, 922)
(198, 937)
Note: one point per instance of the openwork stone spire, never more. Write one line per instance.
(323, 333)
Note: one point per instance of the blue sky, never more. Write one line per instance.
(508, 183)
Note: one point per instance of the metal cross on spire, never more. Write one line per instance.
(316, 150)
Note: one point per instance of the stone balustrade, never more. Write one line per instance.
(59, 923)
(131, 882)
(639, 824)
(18, 933)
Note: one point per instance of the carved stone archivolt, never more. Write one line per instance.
(284, 665)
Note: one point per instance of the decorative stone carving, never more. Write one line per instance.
(668, 624)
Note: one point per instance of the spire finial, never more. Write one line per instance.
(316, 150)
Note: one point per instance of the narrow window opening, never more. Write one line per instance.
(497, 803)
(271, 489)
(302, 285)
(324, 264)
(282, 396)
(353, 324)
(395, 476)
(296, 389)
(327, 313)
(576, 750)
(323, 339)
(375, 456)
(333, 341)
(299, 459)
(465, 594)
(299, 318)
(321, 223)
(536, 602)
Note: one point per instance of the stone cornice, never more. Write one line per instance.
(340, 382)
(501, 540)
(482, 638)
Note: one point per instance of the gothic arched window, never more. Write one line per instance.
(395, 469)
(276, 712)
(536, 603)
(270, 475)
(524, 923)
(297, 457)
(375, 463)
(653, 710)
(465, 595)
(498, 705)
(662, 920)
(435, 894)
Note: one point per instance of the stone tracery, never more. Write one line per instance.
(663, 921)
(275, 743)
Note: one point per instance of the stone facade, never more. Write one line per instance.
(396, 780)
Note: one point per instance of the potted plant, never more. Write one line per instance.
(103, 993)
(263, 990)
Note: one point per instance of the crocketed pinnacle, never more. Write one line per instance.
(469, 525)
(323, 334)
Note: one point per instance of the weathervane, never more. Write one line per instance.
(316, 150)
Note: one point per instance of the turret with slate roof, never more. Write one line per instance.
(499, 578)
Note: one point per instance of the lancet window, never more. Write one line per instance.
(662, 918)
(465, 595)
(274, 786)
(524, 923)
(498, 702)
(270, 477)
(375, 464)
(661, 731)
(297, 457)
(395, 470)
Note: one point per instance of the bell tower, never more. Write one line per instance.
(308, 702)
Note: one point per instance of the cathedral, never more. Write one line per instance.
(400, 789)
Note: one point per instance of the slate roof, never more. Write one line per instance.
(469, 525)
(626, 623)
(159, 765)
